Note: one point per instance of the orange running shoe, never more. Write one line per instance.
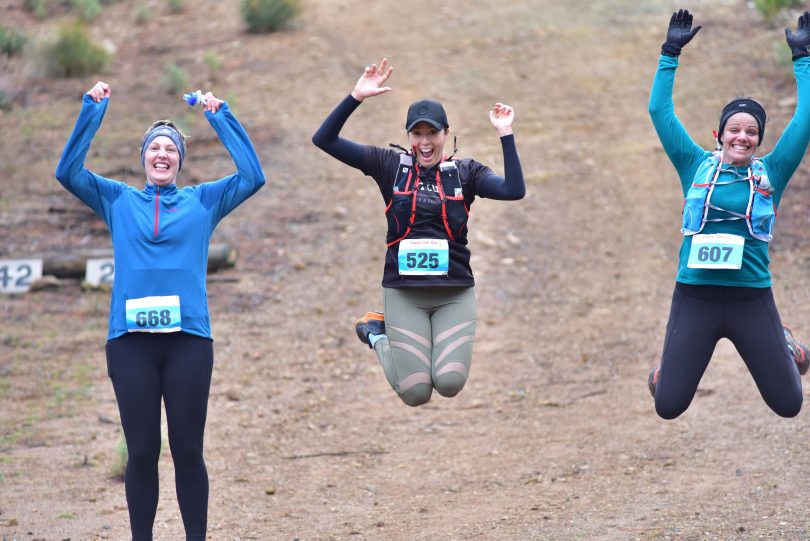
(371, 323)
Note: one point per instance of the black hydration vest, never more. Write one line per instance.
(401, 210)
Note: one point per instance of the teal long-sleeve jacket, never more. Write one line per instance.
(160, 235)
(687, 156)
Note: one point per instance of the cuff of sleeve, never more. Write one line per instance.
(669, 49)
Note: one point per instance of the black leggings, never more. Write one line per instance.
(145, 367)
(700, 316)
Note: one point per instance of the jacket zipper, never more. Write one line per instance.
(157, 211)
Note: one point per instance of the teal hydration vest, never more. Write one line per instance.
(760, 212)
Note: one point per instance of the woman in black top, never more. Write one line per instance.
(424, 340)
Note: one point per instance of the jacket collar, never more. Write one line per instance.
(151, 189)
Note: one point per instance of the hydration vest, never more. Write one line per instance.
(759, 214)
(401, 210)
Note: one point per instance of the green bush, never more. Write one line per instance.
(119, 467)
(770, 8)
(175, 6)
(268, 15)
(783, 54)
(40, 8)
(11, 41)
(87, 10)
(142, 14)
(5, 100)
(213, 61)
(73, 54)
(175, 80)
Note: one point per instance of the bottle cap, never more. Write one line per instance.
(192, 98)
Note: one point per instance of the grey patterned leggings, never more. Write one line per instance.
(430, 333)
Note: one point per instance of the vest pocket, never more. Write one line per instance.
(398, 215)
(457, 216)
(693, 207)
(762, 216)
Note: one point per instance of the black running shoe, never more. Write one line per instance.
(371, 323)
(799, 351)
(652, 379)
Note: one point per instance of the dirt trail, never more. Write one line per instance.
(555, 436)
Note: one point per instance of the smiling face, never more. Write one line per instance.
(161, 161)
(740, 139)
(427, 143)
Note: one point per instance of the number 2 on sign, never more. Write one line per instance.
(16, 276)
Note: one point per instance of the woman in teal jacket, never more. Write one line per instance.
(159, 344)
(723, 286)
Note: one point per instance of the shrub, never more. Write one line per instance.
(11, 41)
(119, 467)
(783, 54)
(5, 100)
(73, 54)
(175, 6)
(86, 9)
(37, 7)
(142, 13)
(268, 15)
(213, 61)
(770, 8)
(175, 79)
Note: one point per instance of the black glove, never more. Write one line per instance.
(680, 33)
(799, 40)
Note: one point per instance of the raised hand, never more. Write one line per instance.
(211, 102)
(800, 39)
(501, 116)
(99, 91)
(679, 33)
(370, 83)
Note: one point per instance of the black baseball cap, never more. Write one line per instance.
(428, 111)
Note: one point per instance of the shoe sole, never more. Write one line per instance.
(360, 323)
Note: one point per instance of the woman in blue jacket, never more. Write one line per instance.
(723, 286)
(159, 344)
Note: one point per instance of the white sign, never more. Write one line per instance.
(99, 271)
(16, 275)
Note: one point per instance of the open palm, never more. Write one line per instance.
(372, 81)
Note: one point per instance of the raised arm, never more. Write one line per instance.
(92, 189)
(682, 151)
(227, 193)
(789, 150)
(327, 137)
(511, 186)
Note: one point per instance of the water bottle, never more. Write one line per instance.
(193, 98)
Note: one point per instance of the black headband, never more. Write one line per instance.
(743, 105)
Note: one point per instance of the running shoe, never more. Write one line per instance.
(798, 350)
(371, 323)
(652, 379)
